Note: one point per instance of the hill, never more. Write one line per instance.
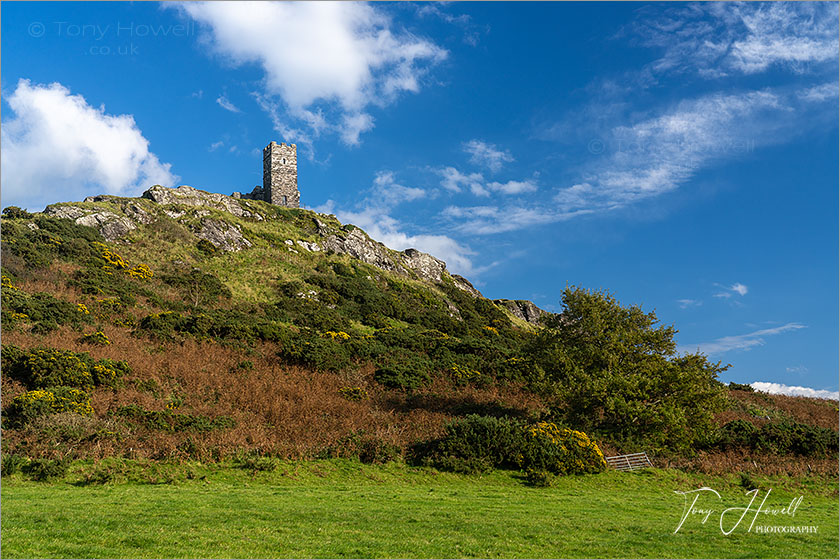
(186, 324)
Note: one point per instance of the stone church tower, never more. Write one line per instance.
(279, 177)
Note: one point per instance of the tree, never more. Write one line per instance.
(615, 372)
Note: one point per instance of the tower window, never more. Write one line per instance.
(284, 161)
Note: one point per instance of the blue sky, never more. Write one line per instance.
(681, 156)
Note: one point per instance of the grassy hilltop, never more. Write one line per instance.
(166, 338)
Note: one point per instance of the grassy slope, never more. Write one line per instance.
(345, 509)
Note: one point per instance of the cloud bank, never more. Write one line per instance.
(58, 147)
(794, 390)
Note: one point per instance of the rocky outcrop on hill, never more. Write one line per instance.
(222, 235)
(424, 265)
(188, 196)
(110, 225)
(358, 245)
(124, 215)
(523, 309)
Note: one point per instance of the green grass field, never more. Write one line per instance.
(345, 509)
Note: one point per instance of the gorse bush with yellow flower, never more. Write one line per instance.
(548, 447)
(481, 443)
(47, 367)
(53, 400)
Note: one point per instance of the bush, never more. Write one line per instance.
(168, 421)
(740, 387)
(474, 444)
(44, 470)
(265, 464)
(367, 448)
(785, 437)
(28, 406)
(16, 213)
(539, 478)
(560, 451)
(617, 374)
(98, 338)
(197, 287)
(403, 369)
(737, 433)
(47, 367)
(13, 463)
(353, 393)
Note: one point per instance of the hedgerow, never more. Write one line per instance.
(784, 437)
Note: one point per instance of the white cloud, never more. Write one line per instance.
(215, 146)
(480, 220)
(820, 93)
(729, 291)
(739, 342)
(794, 390)
(800, 369)
(225, 104)
(454, 181)
(686, 303)
(719, 39)
(658, 154)
(387, 192)
(513, 187)
(58, 147)
(482, 153)
(326, 61)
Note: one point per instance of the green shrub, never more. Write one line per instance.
(206, 247)
(44, 470)
(474, 444)
(16, 213)
(32, 404)
(168, 421)
(785, 437)
(98, 338)
(353, 393)
(265, 464)
(740, 387)
(197, 287)
(403, 369)
(47, 367)
(367, 448)
(548, 447)
(13, 463)
(539, 478)
(737, 433)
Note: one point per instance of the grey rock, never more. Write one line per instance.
(188, 196)
(67, 212)
(424, 265)
(463, 284)
(223, 235)
(136, 213)
(309, 246)
(524, 309)
(110, 225)
(360, 246)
